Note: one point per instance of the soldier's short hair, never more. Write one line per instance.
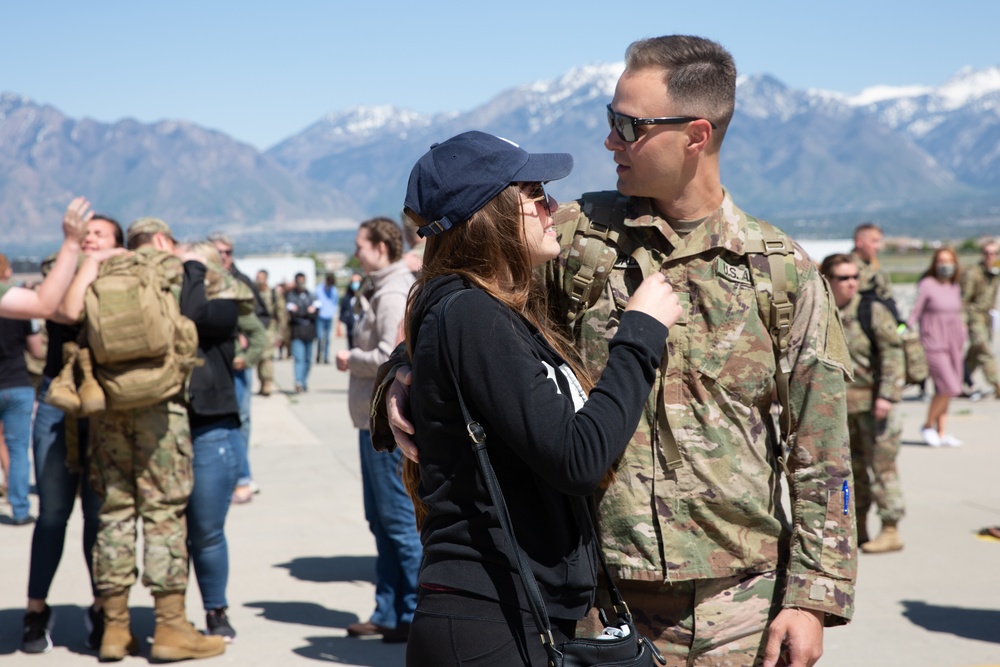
(866, 227)
(700, 75)
(833, 261)
(384, 230)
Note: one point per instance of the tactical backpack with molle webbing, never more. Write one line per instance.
(142, 348)
(601, 240)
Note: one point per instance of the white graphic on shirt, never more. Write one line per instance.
(576, 390)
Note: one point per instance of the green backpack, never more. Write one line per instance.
(143, 349)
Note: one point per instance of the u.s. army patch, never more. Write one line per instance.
(736, 274)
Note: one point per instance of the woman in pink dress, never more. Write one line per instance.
(942, 332)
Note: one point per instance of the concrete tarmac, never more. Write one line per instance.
(302, 559)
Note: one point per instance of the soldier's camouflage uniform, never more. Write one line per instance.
(871, 276)
(265, 369)
(875, 443)
(979, 296)
(717, 520)
(141, 465)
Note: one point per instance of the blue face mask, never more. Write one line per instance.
(356, 285)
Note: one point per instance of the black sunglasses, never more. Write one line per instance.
(626, 126)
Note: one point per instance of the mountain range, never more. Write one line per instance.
(920, 159)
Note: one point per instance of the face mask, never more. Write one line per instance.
(356, 285)
(994, 270)
(945, 270)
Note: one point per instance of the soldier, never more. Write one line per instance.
(704, 536)
(874, 426)
(265, 370)
(141, 466)
(979, 296)
(867, 245)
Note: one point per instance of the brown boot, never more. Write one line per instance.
(62, 392)
(117, 641)
(888, 540)
(175, 638)
(91, 395)
(996, 390)
(266, 387)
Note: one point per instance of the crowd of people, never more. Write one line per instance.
(651, 366)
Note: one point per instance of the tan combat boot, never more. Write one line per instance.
(996, 390)
(62, 392)
(117, 641)
(175, 638)
(266, 387)
(888, 540)
(92, 398)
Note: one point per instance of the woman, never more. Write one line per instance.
(388, 509)
(879, 375)
(58, 468)
(942, 333)
(480, 200)
(213, 410)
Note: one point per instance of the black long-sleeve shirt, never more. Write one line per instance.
(212, 392)
(548, 447)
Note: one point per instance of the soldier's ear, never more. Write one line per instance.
(699, 134)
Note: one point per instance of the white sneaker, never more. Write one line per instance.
(931, 437)
(951, 441)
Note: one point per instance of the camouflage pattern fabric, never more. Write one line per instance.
(874, 443)
(979, 296)
(141, 467)
(265, 369)
(880, 372)
(708, 623)
(719, 515)
(871, 276)
(874, 449)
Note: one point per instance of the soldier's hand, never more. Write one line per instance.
(656, 298)
(800, 633)
(75, 220)
(882, 408)
(397, 401)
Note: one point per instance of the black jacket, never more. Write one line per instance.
(212, 392)
(549, 449)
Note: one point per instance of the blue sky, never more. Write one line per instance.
(262, 71)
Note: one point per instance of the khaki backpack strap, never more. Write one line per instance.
(595, 243)
(775, 306)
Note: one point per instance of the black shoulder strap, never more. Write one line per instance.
(477, 435)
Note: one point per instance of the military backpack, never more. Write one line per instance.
(914, 357)
(600, 243)
(143, 349)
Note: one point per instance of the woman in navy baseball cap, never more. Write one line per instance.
(477, 327)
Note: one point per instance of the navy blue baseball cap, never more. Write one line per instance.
(457, 177)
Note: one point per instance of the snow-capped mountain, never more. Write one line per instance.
(788, 154)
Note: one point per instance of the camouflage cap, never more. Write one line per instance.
(147, 226)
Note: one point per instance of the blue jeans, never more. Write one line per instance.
(57, 489)
(16, 404)
(302, 353)
(389, 512)
(243, 381)
(324, 326)
(216, 447)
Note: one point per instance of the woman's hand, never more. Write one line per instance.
(656, 298)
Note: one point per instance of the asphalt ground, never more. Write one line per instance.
(302, 558)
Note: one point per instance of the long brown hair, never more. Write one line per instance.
(931, 271)
(490, 251)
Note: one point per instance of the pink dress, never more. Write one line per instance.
(942, 332)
